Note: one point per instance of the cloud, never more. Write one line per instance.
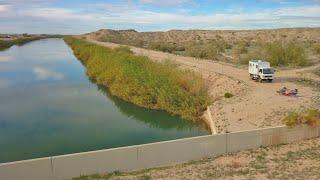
(44, 74)
(58, 14)
(25, 2)
(165, 2)
(120, 15)
(4, 8)
(298, 14)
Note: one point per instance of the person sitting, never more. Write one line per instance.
(294, 92)
(283, 90)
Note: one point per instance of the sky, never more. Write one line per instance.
(82, 16)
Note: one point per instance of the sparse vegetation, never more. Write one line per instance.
(317, 48)
(310, 117)
(208, 50)
(278, 53)
(143, 82)
(278, 48)
(164, 46)
(286, 54)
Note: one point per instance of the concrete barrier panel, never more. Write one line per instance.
(179, 151)
(293, 134)
(36, 169)
(271, 136)
(311, 132)
(75, 165)
(243, 140)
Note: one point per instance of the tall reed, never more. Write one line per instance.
(143, 82)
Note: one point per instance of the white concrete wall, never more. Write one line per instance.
(29, 169)
(152, 155)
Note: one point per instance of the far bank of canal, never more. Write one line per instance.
(49, 107)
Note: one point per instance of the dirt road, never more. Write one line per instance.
(255, 104)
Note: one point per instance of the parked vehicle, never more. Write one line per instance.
(261, 71)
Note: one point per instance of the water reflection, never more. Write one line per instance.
(153, 118)
(45, 74)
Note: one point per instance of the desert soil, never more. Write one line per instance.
(254, 105)
(299, 160)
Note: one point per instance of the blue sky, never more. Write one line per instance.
(81, 16)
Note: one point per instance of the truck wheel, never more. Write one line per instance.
(260, 80)
(270, 80)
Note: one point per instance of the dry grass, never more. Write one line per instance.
(310, 117)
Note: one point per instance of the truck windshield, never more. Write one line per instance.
(268, 71)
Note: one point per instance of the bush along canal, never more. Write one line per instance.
(143, 82)
(50, 107)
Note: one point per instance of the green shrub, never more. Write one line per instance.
(277, 53)
(252, 53)
(310, 117)
(143, 82)
(292, 120)
(242, 47)
(228, 95)
(317, 48)
(165, 47)
(285, 54)
(5, 44)
(124, 49)
(208, 50)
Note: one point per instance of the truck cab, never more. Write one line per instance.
(261, 71)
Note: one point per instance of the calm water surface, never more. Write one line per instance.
(49, 107)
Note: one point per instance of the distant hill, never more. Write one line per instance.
(282, 47)
(178, 36)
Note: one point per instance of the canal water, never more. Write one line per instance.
(48, 107)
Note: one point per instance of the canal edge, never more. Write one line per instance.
(210, 122)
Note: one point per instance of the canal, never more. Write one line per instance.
(48, 107)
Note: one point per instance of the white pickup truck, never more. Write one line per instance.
(261, 71)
